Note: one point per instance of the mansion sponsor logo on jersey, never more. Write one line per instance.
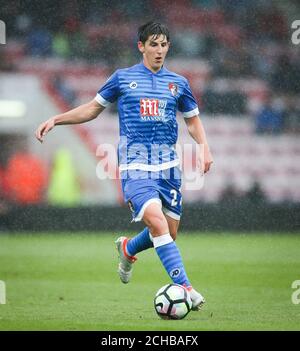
(152, 109)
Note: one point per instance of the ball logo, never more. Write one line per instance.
(133, 85)
(175, 273)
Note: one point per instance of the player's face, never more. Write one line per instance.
(154, 51)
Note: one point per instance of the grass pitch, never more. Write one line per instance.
(69, 282)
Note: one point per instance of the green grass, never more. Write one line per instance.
(69, 282)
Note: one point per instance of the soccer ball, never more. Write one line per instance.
(172, 301)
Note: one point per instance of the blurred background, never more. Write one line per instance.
(242, 66)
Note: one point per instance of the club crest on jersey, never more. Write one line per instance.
(152, 109)
(133, 85)
(173, 88)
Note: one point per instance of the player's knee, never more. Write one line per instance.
(157, 224)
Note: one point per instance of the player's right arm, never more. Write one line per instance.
(80, 114)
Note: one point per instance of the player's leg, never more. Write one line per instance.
(197, 299)
(173, 225)
(143, 240)
(139, 194)
(164, 231)
(140, 242)
(164, 244)
(170, 194)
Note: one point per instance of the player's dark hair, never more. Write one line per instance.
(152, 28)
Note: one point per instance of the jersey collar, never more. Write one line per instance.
(160, 72)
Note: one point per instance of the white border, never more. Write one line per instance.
(171, 214)
(102, 101)
(151, 168)
(140, 215)
(192, 113)
(162, 240)
(150, 236)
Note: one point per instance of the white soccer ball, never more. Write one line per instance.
(172, 301)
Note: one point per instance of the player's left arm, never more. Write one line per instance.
(197, 132)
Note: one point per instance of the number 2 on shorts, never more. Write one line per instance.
(174, 202)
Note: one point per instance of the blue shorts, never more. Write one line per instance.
(140, 188)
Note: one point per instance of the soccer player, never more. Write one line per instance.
(148, 96)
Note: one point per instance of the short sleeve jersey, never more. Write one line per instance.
(147, 106)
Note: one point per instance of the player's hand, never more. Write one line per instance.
(44, 128)
(205, 160)
(208, 160)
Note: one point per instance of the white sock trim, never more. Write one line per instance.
(162, 240)
(150, 236)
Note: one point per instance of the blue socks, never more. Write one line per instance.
(171, 259)
(139, 243)
(167, 251)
